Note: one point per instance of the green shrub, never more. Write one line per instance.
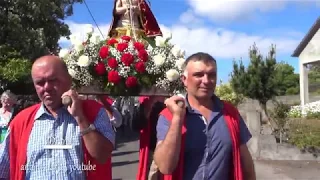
(225, 92)
(304, 133)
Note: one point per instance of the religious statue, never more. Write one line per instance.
(133, 18)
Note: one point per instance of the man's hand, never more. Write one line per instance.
(75, 109)
(175, 109)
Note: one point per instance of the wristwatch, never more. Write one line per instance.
(89, 129)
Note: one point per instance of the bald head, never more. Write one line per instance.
(52, 61)
(51, 79)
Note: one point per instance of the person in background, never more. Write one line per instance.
(145, 121)
(111, 110)
(7, 112)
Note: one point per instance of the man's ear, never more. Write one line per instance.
(183, 78)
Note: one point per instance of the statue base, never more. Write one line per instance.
(153, 91)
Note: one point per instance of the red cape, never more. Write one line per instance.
(144, 148)
(147, 20)
(20, 130)
(231, 116)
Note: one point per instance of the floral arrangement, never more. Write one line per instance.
(124, 66)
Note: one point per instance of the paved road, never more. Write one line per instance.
(125, 161)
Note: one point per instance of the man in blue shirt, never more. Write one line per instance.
(208, 145)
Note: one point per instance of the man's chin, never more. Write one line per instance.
(51, 104)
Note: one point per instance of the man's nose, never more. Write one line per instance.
(47, 86)
(205, 79)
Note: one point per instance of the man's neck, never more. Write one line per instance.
(53, 111)
(198, 103)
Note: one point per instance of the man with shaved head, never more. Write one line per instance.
(52, 141)
(206, 137)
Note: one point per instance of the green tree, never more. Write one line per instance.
(314, 78)
(288, 81)
(28, 30)
(257, 81)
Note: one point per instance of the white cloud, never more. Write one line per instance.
(235, 10)
(223, 43)
(220, 43)
(189, 18)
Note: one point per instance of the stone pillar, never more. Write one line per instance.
(304, 89)
(254, 126)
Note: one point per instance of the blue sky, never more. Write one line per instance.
(223, 28)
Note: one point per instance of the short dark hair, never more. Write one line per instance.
(199, 56)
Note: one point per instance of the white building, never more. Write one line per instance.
(308, 52)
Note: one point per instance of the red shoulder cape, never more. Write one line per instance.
(20, 130)
(144, 148)
(231, 116)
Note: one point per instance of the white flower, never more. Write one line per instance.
(179, 63)
(176, 51)
(172, 75)
(83, 61)
(78, 46)
(167, 35)
(160, 41)
(95, 38)
(74, 39)
(72, 73)
(64, 53)
(159, 59)
(89, 29)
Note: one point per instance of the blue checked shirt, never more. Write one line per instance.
(55, 164)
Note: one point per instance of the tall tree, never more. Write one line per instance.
(257, 81)
(28, 30)
(287, 80)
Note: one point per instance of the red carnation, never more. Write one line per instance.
(104, 52)
(100, 69)
(143, 55)
(111, 42)
(112, 63)
(131, 82)
(113, 77)
(127, 59)
(122, 46)
(138, 46)
(140, 67)
(126, 38)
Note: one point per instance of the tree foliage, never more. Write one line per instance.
(258, 80)
(287, 80)
(28, 30)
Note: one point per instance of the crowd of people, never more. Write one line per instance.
(205, 138)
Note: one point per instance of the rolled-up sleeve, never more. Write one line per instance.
(103, 125)
(162, 128)
(4, 158)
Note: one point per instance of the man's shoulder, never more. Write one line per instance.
(91, 109)
(25, 114)
(166, 114)
(29, 110)
(230, 107)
